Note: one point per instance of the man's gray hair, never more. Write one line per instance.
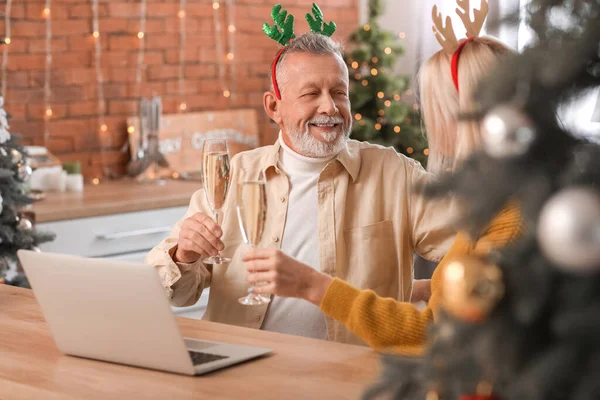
(311, 43)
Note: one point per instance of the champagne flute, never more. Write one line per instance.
(216, 183)
(252, 213)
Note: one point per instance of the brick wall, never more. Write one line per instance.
(74, 124)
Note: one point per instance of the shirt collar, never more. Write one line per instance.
(348, 157)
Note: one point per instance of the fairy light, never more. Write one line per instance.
(397, 97)
(410, 150)
(7, 40)
(366, 27)
(47, 85)
(380, 95)
(374, 60)
(397, 129)
(387, 103)
(362, 123)
(378, 126)
(231, 46)
(231, 28)
(388, 50)
(365, 82)
(409, 92)
(219, 48)
(426, 152)
(374, 71)
(357, 116)
(354, 64)
(402, 35)
(95, 181)
(101, 108)
(182, 41)
(381, 112)
(142, 46)
(130, 129)
(46, 12)
(357, 76)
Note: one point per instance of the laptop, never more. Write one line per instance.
(119, 312)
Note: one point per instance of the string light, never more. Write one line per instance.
(219, 48)
(231, 28)
(374, 72)
(374, 60)
(182, 41)
(130, 129)
(46, 12)
(101, 109)
(366, 27)
(378, 126)
(365, 82)
(7, 40)
(381, 112)
(357, 76)
(142, 47)
(231, 45)
(402, 35)
(362, 123)
(397, 97)
(357, 116)
(47, 76)
(380, 95)
(397, 129)
(426, 152)
(387, 50)
(95, 181)
(410, 150)
(354, 64)
(387, 103)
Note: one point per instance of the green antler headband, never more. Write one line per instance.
(282, 32)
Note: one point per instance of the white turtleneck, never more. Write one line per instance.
(300, 241)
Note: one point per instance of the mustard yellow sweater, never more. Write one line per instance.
(397, 327)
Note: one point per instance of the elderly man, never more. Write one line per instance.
(345, 208)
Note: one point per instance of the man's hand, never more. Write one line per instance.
(284, 276)
(199, 236)
(421, 290)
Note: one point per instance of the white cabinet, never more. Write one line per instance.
(127, 236)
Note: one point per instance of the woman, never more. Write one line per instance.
(385, 323)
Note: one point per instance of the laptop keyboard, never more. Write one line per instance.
(199, 358)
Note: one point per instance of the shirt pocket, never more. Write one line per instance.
(372, 260)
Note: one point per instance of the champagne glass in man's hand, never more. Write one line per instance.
(216, 183)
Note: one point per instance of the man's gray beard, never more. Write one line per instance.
(305, 144)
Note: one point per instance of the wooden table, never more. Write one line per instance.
(31, 367)
(113, 197)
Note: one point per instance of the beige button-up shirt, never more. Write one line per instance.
(371, 221)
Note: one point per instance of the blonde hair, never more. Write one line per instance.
(451, 140)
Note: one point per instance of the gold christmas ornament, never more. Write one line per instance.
(471, 288)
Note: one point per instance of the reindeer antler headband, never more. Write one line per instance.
(282, 32)
(444, 33)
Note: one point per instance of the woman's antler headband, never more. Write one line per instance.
(282, 32)
(444, 33)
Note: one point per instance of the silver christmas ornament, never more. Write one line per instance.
(569, 230)
(25, 224)
(24, 172)
(507, 132)
(16, 156)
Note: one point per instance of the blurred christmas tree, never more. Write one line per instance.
(382, 111)
(16, 229)
(524, 323)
